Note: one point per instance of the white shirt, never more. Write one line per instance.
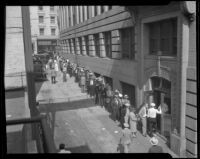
(56, 67)
(64, 151)
(152, 112)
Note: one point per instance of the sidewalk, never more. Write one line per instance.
(87, 129)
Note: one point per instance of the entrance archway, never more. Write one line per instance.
(160, 94)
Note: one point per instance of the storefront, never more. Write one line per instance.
(46, 44)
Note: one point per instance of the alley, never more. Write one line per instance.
(79, 123)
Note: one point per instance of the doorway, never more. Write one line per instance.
(161, 89)
(130, 91)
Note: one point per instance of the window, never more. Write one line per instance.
(102, 9)
(87, 45)
(163, 37)
(88, 15)
(127, 43)
(53, 31)
(109, 7)
(52, 20)
(69, 16)
(41, 19)
(80, 45)
(41, 31)
(95, 11)
(107, 38)
(70, 46)
(74, 42)
(96, 43)
(51, 8)
(40, 8)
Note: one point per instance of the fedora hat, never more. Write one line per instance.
(153, 104)
(126, 125)
(125, 96)
(154, 141)
(127, 104)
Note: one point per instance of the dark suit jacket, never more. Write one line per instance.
(155, 149)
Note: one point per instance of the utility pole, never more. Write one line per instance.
(29, 64)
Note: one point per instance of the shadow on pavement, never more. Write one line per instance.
(38, 85)
(80, 149)
(14, 94)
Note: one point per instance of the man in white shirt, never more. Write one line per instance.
(152, 113)
(143, 115)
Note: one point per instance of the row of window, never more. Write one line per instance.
(40, 8)
(52, 19)
(53, 31)
(83, 14)
(161, 36)
(126, 42)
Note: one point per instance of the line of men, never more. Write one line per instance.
(114, 102)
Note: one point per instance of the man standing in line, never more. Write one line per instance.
(143, 115)
(152, 113)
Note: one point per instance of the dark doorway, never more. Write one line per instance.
(109, 81)
(162, 97)
(130, 91)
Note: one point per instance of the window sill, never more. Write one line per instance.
(162, 57)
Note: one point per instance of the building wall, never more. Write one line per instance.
(112, 20)
(14, 49)
(35, 25)
(137, 72)
(191, 101)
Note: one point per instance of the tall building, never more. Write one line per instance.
(147, 52)
(44, 28)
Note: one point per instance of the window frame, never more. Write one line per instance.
(51, 8)
(54, 31)
(40, 19)
(130, 33)
(108, 43)
(97, 44)
(51, 19)
(40, 31)
(172, 34)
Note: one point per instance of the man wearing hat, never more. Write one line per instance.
(125, 99)
(120, 105)
(115, 104)
(125, 140)
(152, 113)
(155, 148)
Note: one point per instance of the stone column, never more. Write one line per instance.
(106, 8)
(102, 45)
(77, 14)
(85, 10)
(91, 45)
(98, 10)
(92, 11)
(71, 15)
(81, 13)
(67, 16)
(77, 46)
(83, 46)
(116, 49)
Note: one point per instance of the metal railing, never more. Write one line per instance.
(44, 140)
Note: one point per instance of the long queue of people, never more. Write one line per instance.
(117, 104)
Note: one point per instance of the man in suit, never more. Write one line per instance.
(155, 148)
(143, 115)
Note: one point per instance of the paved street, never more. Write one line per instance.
(81, 125)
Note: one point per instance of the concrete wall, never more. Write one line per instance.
(14, 49)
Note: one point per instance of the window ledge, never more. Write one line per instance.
(171, 58)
